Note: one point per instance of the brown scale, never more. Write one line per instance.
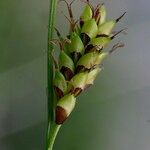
(68, 74)
(75, 56)
(90, 48)
(58, 92)
(61, 115)
(76, 91)
(81, 23)
(85, 38)
(82, 68)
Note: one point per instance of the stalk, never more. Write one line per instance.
(52, 136)
(52, 128)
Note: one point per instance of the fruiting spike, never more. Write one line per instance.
(81, 55)
(64, 107)
(66, 65)
(86, 15)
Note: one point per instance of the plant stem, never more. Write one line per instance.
(52, 15)
(52, 135)
(52, 128)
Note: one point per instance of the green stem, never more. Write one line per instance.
(52, 135)
(51, 129)
(52, 16)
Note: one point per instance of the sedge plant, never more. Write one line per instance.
(79, 62)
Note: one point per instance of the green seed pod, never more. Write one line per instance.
(66, 65)
(64, 107)
(86, 15)
(97, 44)
(106, 27)
(90, 61)
(76, 47)
(100, 15)
(86, 62)
(89, 30)
(91, 77)
(103, 14)
(77, 83)
(60, 85)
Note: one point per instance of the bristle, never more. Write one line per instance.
(118, 19)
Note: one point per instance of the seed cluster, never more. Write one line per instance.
(81, 56)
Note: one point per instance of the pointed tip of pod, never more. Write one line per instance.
(118, 19)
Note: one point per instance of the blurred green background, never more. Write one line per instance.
(112, 115)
